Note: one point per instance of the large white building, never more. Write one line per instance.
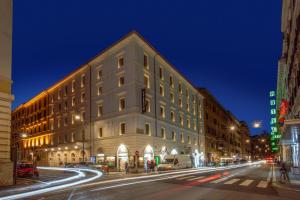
(137, 107)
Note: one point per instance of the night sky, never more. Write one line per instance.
(230, 47)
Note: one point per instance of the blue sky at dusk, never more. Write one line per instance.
(230, 47)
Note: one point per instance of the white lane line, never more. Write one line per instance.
(262, 184)
(185, 177)
(199, 177)
(246, 182)
(232, 181)
(270, 175)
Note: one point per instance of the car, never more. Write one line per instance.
(26, 169)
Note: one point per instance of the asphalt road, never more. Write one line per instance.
(244, 183)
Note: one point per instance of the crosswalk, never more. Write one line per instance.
(227, 181)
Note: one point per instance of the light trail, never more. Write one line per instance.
(79, 174)
(55, 188)
(160, 175)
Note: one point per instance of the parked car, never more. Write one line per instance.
(175, 162)
(25, 169)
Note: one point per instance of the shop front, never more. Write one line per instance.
(122, 157)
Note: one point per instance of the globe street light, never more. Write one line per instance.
(232, 128)
(256, 124)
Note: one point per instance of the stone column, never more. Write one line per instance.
(6, 165)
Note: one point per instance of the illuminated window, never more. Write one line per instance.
(72, 137)
(99, 91)
(161, 90)
(148, 105)
(73, 85)
(172, 97)
(162, 112)
(121, 81)
(146, 81)
(181, 120)
(161, 74)
(122, 104)
(120, 62)
(188, 122)
(82, 116)
(82, 97)
(172, 116)
(73, 101)
(181, 137)
(180, 102)
(82, 80)
(188, 106)
(100, 110)
(174, 136)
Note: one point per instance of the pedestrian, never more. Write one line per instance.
(148, 166)
(126, 168)
(284, 173)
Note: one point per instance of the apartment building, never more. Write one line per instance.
(288, 82)
(260, 146)
(127, 104)
(223, 132)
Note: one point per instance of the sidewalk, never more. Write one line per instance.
(294, 184)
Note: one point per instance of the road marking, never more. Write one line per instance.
(269, 175)
(185, 177)
(262, 184)
(232, 181)
(192, 179)
(246, 182)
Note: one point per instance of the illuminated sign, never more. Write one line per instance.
(275, 135)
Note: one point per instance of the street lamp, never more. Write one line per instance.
(256, 124)
(232, 128)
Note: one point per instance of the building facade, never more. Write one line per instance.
(288, 82)
(127, 104)
(6, 165)
(260, 146)
(224, 134)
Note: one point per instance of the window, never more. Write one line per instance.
(173, 136)
(146, 65)
(146, 81)
(51, 125)
(99, 91)
(180, 88)
(99, 75)
(66, 90)
(73, 101)
(120, 62)
(162, 112)
(180, 102)
(187, 94)
(147, 129)
(172, 97)
(181, 120)
(73, 119)
(121, 81)
(59, 94)
(195, 125)
(66, 105)
(72, 137)
(122, 128)
(73, 85)
(82, 116)
(161, 74)
(121, 104)
(172, 116)
(171, 82)
(188, 122)
(82, 80)
(100, 110)
(163, 133)
(82, 97)
(58, 123)
(181, 137)
(66, 121)
(161, 90)
(65, 138)
(188, 106)
(148, 105)
(100, 133)
(189, 140)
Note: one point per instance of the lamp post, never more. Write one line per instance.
(78, 118)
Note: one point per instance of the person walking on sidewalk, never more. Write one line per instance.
(284, 173)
